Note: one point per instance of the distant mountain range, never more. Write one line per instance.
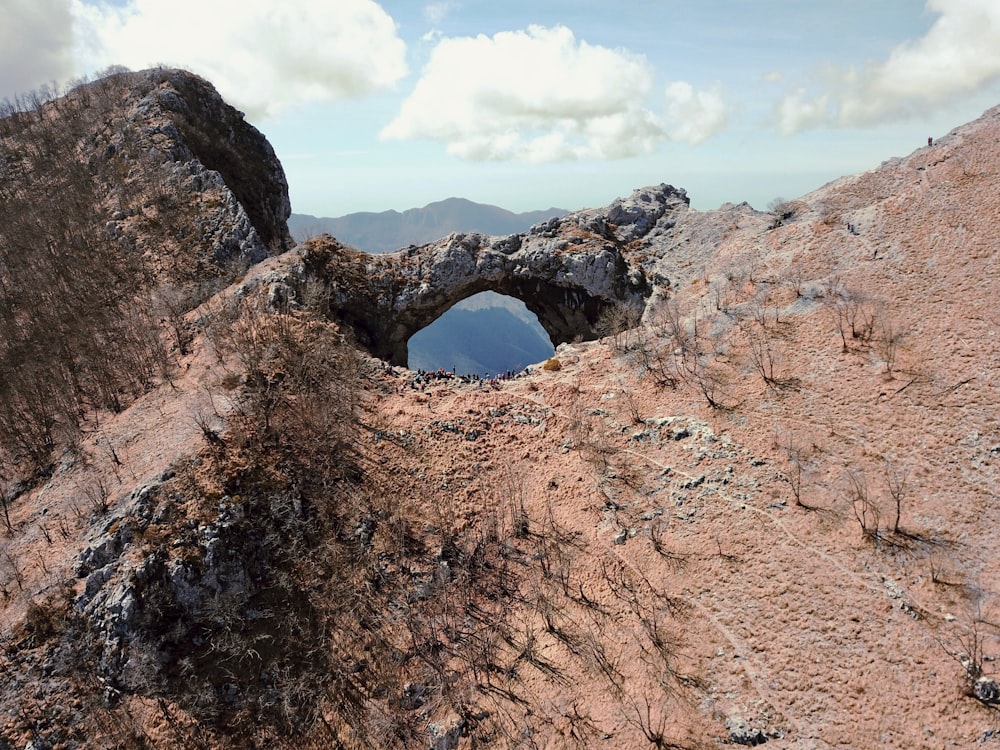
(487, 333)
(390, 230)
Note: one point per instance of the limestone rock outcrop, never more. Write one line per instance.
(201, 586)
(207, 143)
(154, 161)
(569, 271)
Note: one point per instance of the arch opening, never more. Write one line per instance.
(484, 334)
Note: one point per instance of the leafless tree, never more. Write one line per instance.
(798, 467)
(853, 313)
(895, 479)
(764, 355)
(967, 649)
(76, 333)
(888, 341)
(866, 511)
(15, 568)
(5, 502)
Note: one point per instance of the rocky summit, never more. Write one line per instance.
(165, 165)
(568, 271)
(751, 500)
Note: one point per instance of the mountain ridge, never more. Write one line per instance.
(764, 511)
(377, 232)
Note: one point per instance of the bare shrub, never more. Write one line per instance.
(617, 321)
(798, 469)
(656, 530)
(888, 339)
(628, 394)
(682, 351)
(657, 349)
(866, 511)
(97, 494)
(653, 721)
(853, 313)
(764, 354)
(967, 649)
(701, 366)
(783, 210)
(14, 566)
(895, 480)
(5, 500)
(795, 279)
(173, 301)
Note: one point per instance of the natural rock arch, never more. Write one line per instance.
(567, 271)
(565, 313)
(385, 299)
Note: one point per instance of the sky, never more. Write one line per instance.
(530, 104)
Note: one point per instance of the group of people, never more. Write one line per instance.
(420, 379)
(423, 378)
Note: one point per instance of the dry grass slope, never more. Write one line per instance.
(766, 513)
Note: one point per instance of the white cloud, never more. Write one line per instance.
(694, 116)
(799, 111)
(263, 56)
(959, 54)
(537, 95)
(35, 41)
(436, 12)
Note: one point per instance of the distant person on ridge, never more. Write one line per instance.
(930, 140)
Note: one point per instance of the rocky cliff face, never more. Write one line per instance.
(162, 156)
(184, 117)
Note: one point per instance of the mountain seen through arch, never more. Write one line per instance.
(485, 333)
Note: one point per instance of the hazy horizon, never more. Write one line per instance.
(375, 106)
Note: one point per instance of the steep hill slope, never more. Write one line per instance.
(768, 513)
(125, 203)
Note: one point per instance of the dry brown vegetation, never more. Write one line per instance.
(102, 246)
(765, 513)
(77, 333)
